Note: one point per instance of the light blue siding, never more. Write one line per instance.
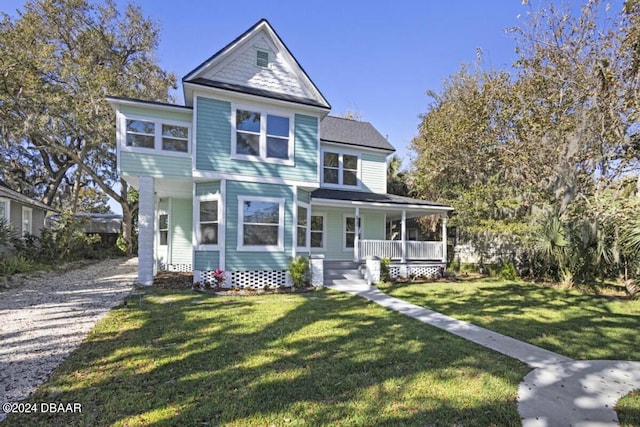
(205, 188)
(304, 196)
(174, 115)
(181, 217)
(213, 151)
(206, 260)
(248, 261)
(157, 166)
(374, 172)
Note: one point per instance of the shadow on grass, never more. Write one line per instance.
(567, 322)
(316, 359)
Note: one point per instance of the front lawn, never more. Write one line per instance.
(568, 322)
(318, 358)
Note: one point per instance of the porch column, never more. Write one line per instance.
(146, 230)
(403, 236)
(356, 238)
(444, 238)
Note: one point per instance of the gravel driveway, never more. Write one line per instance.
(46, 318)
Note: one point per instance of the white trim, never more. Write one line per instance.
(231, 96)
(7, 211)
(262, 149)
(194, 139)
(166, 248)
(115, 103)
(119, 138)
(344, 231)
(30, 212)
(279, 247)
(386, 206)
(157, 141)
(206, 198)
(343, 146)
(324, 232)
(222, 231)
(340, 185)
(202, 175)
(307, 206)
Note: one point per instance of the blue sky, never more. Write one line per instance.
(375, 58)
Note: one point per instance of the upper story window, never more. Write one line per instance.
(262, 136)
(340, 169)
(155, 135)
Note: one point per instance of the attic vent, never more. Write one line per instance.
(262, 59)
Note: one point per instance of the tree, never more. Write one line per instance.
(59, 59)
(396, 178)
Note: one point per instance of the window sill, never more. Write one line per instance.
(260, 248)
(208, 248)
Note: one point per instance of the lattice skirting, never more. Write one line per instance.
(259, 279)
(416, 270)
(182, 268)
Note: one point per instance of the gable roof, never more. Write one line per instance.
(352, 132)
(204, 73)
(21, 198)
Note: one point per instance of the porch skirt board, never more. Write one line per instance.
(417, 270)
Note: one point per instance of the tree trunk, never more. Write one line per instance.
(127, 217)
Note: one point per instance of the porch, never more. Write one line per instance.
(403, 251)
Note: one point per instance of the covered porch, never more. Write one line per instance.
(399, 238)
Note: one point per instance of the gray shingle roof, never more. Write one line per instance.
(359, 196)
(352, 132)
(21, 198)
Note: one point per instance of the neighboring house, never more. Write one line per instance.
(25, 215)
(252, 172)
(107, 226)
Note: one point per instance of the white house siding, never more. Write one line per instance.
(242, 69)
(374, 172)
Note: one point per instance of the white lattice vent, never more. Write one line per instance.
(181, 268)
(394, 272)
(424, 270)
(259, 279)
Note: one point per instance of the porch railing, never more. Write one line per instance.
(392, 249)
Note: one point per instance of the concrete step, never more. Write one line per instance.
(342, 274)
(341, 265)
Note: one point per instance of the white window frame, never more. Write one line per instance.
(258, 51)
(341, 154)
(160, 213)
(157, 141)
(308, 232)
(7, 207)
(279, 247)
(207, 198)
(357, 231)
(262, 150)
(28, 211)
(324, 232)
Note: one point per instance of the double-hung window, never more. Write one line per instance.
(263, 136)
(260, 224)
(156, 135)
(303, 226)
(340, 169)
(27, 221)
(317, 231)
(208, 221)
(163, 229)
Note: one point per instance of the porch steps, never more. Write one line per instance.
(341, 274)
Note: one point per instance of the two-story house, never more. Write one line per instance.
(252, 171)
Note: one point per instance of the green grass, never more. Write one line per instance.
(318, 358)
(568, 322)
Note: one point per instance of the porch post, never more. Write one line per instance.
(444, 238)
(146, 230)
(403, 236)
(356, 239)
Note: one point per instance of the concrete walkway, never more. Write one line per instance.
(560, 391)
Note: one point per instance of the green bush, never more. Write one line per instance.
(508, 271)
(15, 265)
(298, 269)
(385, 271)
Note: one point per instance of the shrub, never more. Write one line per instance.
(455, 264)
(219, 277)
(385, 271)
(298, 269)
(15, 265)
(508, 271)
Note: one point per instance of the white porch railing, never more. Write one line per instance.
(392, 249)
